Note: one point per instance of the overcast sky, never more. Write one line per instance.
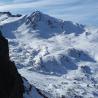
(81, 11)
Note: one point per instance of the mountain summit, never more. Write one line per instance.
(44, 25)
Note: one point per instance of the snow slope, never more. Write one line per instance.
(58, 57)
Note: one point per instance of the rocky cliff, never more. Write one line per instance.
(11, 84)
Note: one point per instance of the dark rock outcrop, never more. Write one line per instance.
(10, 14)
(11, 84)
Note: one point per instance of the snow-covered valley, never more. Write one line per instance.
(58, 57)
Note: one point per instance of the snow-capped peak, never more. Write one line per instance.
(48, 26)
(45, 25)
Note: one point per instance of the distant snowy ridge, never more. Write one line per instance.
(45, 25)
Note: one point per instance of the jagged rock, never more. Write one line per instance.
(10, 14)
(11, 84)
(32, 92)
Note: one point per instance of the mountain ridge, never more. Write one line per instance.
(40, 21)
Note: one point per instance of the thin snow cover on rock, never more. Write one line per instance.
(58, 57)
(31, 91)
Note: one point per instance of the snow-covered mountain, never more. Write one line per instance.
(58, 57)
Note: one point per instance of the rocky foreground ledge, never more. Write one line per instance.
(11, 84)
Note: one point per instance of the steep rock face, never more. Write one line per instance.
(11, 84)
(33, 92)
